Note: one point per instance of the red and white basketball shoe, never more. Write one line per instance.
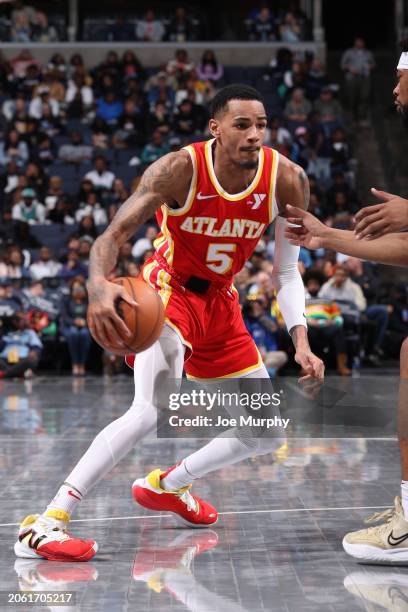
(189, 508)
(46, 537)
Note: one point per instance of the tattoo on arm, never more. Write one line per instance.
(304, 181)
(156, 186)
(298, 334)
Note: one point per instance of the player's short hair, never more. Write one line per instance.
(233, 92)
(404, 45)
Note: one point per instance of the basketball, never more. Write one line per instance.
(144, 322)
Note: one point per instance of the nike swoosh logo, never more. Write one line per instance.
(395, 541)
(200, 196)
(72, 494)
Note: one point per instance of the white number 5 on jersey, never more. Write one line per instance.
(217, 258)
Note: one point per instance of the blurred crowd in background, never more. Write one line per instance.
(21, 22)
(74, 143)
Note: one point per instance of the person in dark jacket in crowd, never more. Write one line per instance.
(74, 326)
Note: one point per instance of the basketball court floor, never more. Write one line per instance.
(277, 545)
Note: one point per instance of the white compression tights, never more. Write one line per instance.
(161, 361)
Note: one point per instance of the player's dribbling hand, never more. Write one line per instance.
(313, 372)
(379, 219)
(103, 320)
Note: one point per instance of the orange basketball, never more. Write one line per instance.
(144, 322)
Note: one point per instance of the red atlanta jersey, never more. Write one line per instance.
(215, 232)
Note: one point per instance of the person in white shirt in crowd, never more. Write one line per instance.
(92, 208)
(29, 209)
(100, 176)
(144, 243)
(36, 105)
(341, 287)
(46, 266)
(149, 29)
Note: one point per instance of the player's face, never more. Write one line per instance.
(401, 92)
(240, 130)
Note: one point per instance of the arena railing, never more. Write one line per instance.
(237, 53)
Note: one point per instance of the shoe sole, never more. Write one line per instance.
(23, 552)
(138, 487)
(374, 555)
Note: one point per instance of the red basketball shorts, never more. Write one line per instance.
(210, 325)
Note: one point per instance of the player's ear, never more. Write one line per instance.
(214, 128)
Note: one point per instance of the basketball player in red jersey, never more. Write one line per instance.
(214, 201)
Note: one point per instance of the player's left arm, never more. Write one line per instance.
(293, 186)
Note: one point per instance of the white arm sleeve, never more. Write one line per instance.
(287, 280)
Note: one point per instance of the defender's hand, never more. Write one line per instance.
(379, 219)
(103, 320)
(311, 232)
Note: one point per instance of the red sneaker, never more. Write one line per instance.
(192, 510)
(46, 537)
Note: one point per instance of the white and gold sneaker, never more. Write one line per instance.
(386, 543)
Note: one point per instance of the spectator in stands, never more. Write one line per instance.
(37, 179)
(46, 266)
(29, 209)
(154, 149)
(84, 250)
(297, 109)
(101, 133)
(146, 242)
(339, 151)
(316, 79)
(398, 321)
(87, 229)
(264, 330)
(43, 32)
(21, 29)
(160, 119)
(186, 120)
(121, 30)
(180, 28)
(43, 98)
(263, 26)
(57, 65)
(358, 64)
(63, 212)
(73, 267)
(92, 208)
(109, 108)
(76, 151)
(53, 193)
(363, 274)
(12, 265)
(329, 109)
(124, 259)
(20, 8)
(45, 151)
(20, 349)
(160, 90)
(289, 30)
(74, 327)
(8, 181)
(209, 69)
(149, 29)
(21, 62)
(342, 288)
(76, 65)
(100, 176)
(131, 127)
(180, 67)
(325, 323)
(79, 98)
(10, 301)
(131, 66)
(13, 148)
(339, 184)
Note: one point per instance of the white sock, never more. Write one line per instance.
(66, 499)
(404, 497)
(177, 478)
